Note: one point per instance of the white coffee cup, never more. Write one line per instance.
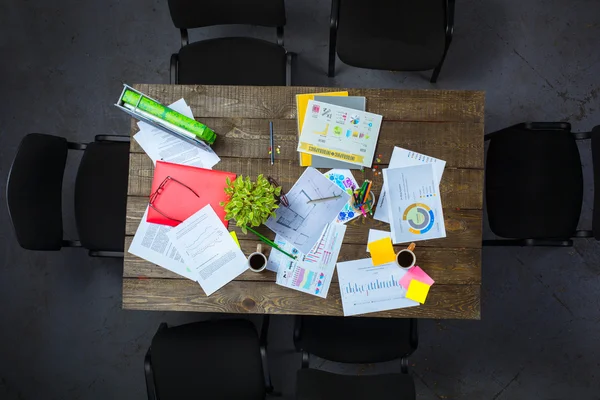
(405, 258)
(257, 261)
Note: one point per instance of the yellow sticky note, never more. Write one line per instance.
(382, 251)
(417, 291)
(235, 239)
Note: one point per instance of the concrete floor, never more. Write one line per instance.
(64, 335)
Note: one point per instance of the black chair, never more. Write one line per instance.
(221, 359)
(230, 60)
(534, 184)
(355, 340)
(34, 193)
(396, 35)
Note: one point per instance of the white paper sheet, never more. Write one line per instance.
(310, 273)
(366, 289)
(345, 180)
(152, 243)
(208, 248)
(414, 204)
(376, 234)
(300, 223)
(406, 158)
(339, 133)
(160, 145)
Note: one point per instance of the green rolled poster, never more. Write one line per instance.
(179, 120)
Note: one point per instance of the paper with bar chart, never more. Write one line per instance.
(366, 289)
(311, 272)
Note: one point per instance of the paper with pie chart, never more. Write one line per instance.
(414, 204)
(311, 272)
(340, 133)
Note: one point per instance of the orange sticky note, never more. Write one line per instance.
(382, 251)
(235, 239)
(417, 291)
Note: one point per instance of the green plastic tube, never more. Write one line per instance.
(156, 109)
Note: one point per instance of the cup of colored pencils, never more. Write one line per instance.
(364, 198)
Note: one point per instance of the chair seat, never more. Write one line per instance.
(320, 385)
(398, 35)
(356, 340)
(101, 196)
(208, 360)
(534, 184)
(232, 61)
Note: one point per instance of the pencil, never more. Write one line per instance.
(272, 143)
(270, 243)
(367, 192)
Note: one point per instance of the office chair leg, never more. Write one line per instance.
(264, 333)
(436, 71)
(333, 25)
(288, 68)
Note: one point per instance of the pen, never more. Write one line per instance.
(272, 143)
(323, 199)
(367, 192)
(270, 243)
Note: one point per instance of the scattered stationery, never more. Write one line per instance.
(414, 204)
(152, 243)
(323, 199)
(406, 158)
(161, 145)
(376, 234)
(271, 243)
(345, 180)
(416, 273)
(311, 272)
(340, 133)
(366, 289)
(353, 102)
(207, 248)
(382, 251)
(301, 223)
(185, 190)
(302, 100)
(272, 150)
(417, 291)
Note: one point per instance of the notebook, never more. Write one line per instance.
(187, 190)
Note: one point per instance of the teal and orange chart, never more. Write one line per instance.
(419, 217)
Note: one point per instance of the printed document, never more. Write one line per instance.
(406, 158)
(312, 272)
(160, 145)
(152, 243)
(301, 223)
(340, 133)
(414, 204)
(345, 180)
(208, 249)
(366, 289)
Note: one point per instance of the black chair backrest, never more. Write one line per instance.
(596, 161)
(188, 14)
(34, 191)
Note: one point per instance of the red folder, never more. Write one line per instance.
(184, 190)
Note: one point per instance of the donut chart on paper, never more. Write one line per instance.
(419, 217)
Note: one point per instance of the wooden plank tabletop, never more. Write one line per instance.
(441, 123)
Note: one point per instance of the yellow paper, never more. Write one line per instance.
(235, 239)
(417, 291)
(382, 251)
(301, 105)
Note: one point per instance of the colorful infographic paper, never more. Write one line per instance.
(340, 133)
(344, 179)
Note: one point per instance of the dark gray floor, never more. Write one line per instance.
(64, 335)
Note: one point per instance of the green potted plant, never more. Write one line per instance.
(250, 203)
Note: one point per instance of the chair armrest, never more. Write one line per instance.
(528, 242)
(289, 57)
(113, 138)
(335, 14)
(264, 335)
(149, 375)
(450, 5)
(548, 126)
(173, 69)
(102, 253)
(280, 35)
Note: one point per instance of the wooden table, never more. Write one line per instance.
(440, 123)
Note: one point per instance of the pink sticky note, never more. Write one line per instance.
(418, 274)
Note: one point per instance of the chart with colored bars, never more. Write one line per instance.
(372, 286)
(318, 254)
(419, 217)
(308, 280)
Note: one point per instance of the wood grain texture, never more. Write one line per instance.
(460, 188)
(444, 301)
(441, 123)
(459, 144)
(463, 227)
(445, 266)
(279, 102)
